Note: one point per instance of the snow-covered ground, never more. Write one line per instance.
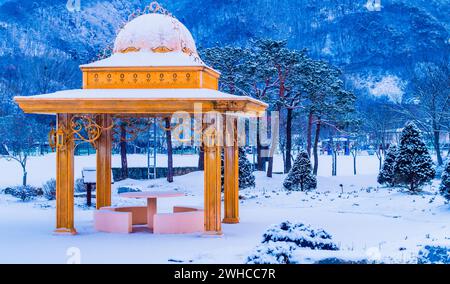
(364, 219)
(43, 168)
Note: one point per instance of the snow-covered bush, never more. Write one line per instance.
(280, 241)
(413, 165)
(300, 176)
(434, 255)
(335, 260)
(300, 234)
(444, 188)
(387, 173)
(24, 193)
(246, 177)
(272, 253)
(79, 185)
(49, 189)
(125, 189)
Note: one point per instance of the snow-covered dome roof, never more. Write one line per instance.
(156, 33)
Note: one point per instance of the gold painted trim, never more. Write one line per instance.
(162, 49)
(130, 49)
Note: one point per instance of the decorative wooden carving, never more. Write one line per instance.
(150, 78)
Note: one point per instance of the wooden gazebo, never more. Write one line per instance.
(154, 71)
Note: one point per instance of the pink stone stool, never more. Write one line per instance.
(183, 220)
(110, 221)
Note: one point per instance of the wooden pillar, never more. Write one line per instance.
(231, 172)
(64, 178)
(104, 144)
(213, 185)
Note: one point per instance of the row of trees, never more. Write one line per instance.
(297, 86)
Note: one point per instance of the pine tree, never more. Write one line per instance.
(413, 165)
(300, 176)
(246, 177)
(445, 183)
(387, 173)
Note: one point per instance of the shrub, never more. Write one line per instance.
(387, 173)
(79, 185)
(280, 241)
(434, 255)
(302, 235)
(7, 190)
(246, 177)
(273, 253)
(335, 260)
(25, 193)
(125, 189)
(300, 176)
(444, 188)
(49, 189)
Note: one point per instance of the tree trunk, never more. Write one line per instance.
(380, 159)
(24, 177)
(169, 151)
(89, 194)
(270, 162)
(274, 130)
(123, 151)
(354, 164)
(201, 159)
(315, 147)
(270, 166)
(260, 164)
(288, 162)
(437, 146)
(334, 162)
(309, 134)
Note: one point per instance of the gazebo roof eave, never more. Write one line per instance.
(139, 101)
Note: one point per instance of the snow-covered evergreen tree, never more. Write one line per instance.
(300, 176)
(445, 183)
(413, 165)
(387, 173)
(246, 177)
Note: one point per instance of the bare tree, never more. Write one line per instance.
(429, 106)
(19, 136)
(380, 124)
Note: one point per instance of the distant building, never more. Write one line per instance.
(393, 137)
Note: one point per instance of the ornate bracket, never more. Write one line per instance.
(82, 128)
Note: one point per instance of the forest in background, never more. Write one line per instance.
(383, 67)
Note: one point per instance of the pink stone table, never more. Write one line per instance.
(152, 198)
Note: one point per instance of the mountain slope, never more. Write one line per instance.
(368, 45)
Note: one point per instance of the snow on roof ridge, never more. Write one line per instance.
(147, 59)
